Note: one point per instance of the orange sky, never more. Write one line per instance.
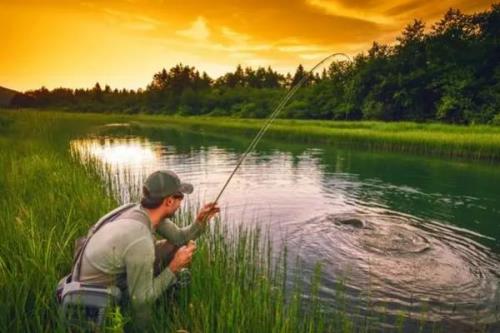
(123, 43)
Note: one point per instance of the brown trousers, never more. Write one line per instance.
(164, 253)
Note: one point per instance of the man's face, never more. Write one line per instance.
(173, 203)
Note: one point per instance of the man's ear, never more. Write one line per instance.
(167, 201)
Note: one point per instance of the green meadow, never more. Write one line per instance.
(49, 199)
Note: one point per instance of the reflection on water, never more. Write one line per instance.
(411, 235)
(125, 162)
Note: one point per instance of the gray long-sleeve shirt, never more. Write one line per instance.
(122, 253)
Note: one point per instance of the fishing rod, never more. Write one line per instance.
(273, 116)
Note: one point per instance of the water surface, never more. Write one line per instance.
(403, 234)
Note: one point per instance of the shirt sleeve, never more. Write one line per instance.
(179, 236)
(143, 287)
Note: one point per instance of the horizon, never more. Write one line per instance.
(123, 43)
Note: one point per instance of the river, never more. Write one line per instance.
(401, 233)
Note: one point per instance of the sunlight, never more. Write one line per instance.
(118, 152)
(126, 160)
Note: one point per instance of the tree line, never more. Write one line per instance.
(449, 73)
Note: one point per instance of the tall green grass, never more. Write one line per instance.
(47, 201)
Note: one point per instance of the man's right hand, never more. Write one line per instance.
(182, 257)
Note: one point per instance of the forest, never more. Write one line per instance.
(448, 72)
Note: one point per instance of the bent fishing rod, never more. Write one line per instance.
(273, 116)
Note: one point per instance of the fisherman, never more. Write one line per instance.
(124, 253)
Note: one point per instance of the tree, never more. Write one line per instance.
(160, 80)
(299, 74)
(412, 33)
(97, 92)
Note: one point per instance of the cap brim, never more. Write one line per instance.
(186, 188)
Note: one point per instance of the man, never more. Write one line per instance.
(125, 253)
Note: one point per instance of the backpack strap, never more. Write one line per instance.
(111, 216)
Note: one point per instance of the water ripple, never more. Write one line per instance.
(406, 261)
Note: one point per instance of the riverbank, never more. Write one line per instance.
(480, 142)
(475, 142)
(49, 199)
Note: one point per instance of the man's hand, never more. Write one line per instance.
(207, 212)
(182, 257)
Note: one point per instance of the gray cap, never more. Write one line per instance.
(163, 183)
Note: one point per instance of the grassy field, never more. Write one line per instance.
(49, 199)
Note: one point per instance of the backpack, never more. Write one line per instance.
(82, 300)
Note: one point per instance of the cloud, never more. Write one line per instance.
(262, 21)
(313, 56)
(339, 9)
(133, 22)
(198, 31)
(297, 48)
(234, 36)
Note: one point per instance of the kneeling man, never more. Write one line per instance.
(125, 253)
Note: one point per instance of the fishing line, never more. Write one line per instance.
(273, 116)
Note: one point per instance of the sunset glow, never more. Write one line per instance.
(123, 43)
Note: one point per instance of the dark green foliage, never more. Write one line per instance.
(449, 74)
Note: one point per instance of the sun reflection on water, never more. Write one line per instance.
(123, 160)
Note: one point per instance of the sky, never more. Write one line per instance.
(74, 44)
